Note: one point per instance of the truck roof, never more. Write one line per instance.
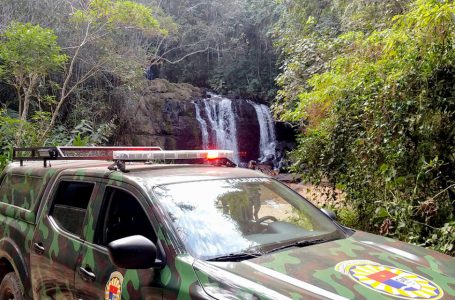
(154, 174)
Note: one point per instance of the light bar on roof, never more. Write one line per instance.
(172, 155)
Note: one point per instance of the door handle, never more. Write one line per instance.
(87, 274)
(39, 248)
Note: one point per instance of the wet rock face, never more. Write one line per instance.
(164, 115)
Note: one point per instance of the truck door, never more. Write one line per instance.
(57, 239)
(119, 213)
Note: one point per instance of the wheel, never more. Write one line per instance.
(11, 288)
(260, 220)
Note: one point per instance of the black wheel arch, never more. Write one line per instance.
(12, 260)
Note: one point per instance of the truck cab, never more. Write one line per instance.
(58, 220)
(140, 227)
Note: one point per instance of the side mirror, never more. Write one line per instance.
(133, 252)
(329, 213)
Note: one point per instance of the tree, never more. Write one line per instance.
(379, 124)
(221, 45)
(307, 38)
(28, 53)
(99, 22)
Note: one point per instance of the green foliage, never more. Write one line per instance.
(231, 46)
(5, 157)
(348, 216)
(113, 40)
(30, 49)
(86, 133)
(119, 13)
(443, 238)
(104, 41)
(28, 53)
(309, 36)
(380, 116)
(9, 126)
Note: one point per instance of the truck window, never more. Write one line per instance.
(70, 205)
(122, 216)
(20, 190)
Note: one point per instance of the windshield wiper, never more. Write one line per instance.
(236, 256)
(302, 243)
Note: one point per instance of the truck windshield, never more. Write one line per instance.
(218, 218)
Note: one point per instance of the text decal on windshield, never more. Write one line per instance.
(248, 180)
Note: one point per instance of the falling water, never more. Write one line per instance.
(217, 122)
(267, 142)
(203, 126)
(221, 122)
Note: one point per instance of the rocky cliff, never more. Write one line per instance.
(164, 115)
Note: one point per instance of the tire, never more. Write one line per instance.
(11, 288)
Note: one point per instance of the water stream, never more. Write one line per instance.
(217, 122)
(220, 129)
(203, 126)
(267, 141)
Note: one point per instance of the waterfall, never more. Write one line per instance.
(217, 123)
(267, 142)
(221, 122)
(203, 126)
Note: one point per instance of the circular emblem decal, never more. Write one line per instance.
(390, 280)
(113, 289)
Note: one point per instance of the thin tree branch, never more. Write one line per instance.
(69, 74)
(185, 56)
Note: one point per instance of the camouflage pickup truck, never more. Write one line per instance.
(74, 228)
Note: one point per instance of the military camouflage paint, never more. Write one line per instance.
(18, 216)
(298, 273)
(293, 273)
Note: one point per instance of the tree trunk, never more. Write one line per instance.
(26, 105)
(27, 96)
(19, 97)
(28, 91)
(68, 76)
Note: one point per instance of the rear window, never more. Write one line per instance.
(70, 205)
(21, 190)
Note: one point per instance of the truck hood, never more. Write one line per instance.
(363, 266)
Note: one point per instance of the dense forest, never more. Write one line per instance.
(373, 83)
(369, 84)
(64, 74)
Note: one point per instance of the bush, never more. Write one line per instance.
(17, 133)
(381, 124)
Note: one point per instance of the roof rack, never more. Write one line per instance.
(71, 153)
(122, 155)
